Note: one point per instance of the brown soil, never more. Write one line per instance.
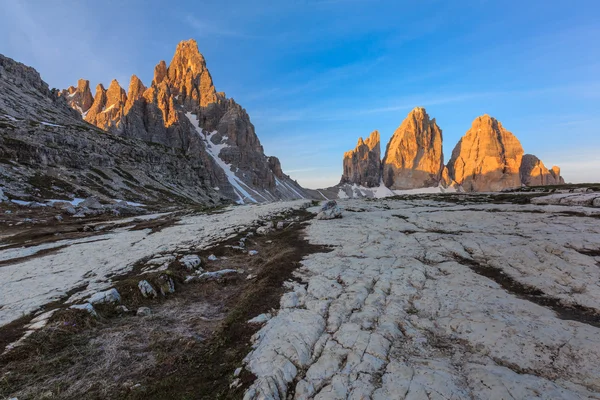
(188, 349)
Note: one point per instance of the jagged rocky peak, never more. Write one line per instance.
(80, 97)
(487, 157)
(160, 72)
(534, 172)
(189, 76)
(181, 109)
(414, 156)
(108, 107)
(135, 92)
(362, 166)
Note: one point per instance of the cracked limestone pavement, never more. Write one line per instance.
(401, 308)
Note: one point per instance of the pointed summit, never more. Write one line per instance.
(363, 164)
(160, 72)
(135, 92)
(189, 77)
(487, 157)
(373, 141)
(414, 157)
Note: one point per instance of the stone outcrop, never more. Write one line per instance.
(534, 172)
(80, 97)
(487, 158)
(182, 110)
(362, 165)
(414, 156)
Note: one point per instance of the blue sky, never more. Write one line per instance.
(314, 75)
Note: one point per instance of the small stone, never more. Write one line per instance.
(237, 372)
(122, 309)
(147, 289)
(252, 252)
(263, 230)
(250, 277)
(191, 261)
(166, 285)
(109, 296)
(212, 257)
(280, 225)
(58, 218)
(143, 312)
(260, 319)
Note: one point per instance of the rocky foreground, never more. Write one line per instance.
(455, 296)
(433, 299)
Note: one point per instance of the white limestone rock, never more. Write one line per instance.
(146, 289)
(108, 296)
(191, 261)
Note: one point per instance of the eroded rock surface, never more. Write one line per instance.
(487, 158)
(414, 157)
(428, 299)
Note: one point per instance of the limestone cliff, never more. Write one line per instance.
(414, 157)
(362, 165)
(534, 172)
(487, 158)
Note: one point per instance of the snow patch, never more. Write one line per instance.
(214, 150)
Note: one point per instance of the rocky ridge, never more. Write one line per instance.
(487, 158)
(180, 113)
(182, 109)
(48, 152)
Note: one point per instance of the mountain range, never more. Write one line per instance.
(178, 140)
(488, 158)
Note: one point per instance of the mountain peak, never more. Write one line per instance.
(189, 76)
(362, 165)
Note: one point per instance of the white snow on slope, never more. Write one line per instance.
(27, 285)
(382, 191)
(288, 187)
(213, 150)
(51, 124)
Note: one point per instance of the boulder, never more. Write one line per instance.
(191, 261)
(92, 203)
(146, 289)
(166, 285)
(330, 210)
(108, 296)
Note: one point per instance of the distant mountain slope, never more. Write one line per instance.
(181, 109)
(487, 158)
